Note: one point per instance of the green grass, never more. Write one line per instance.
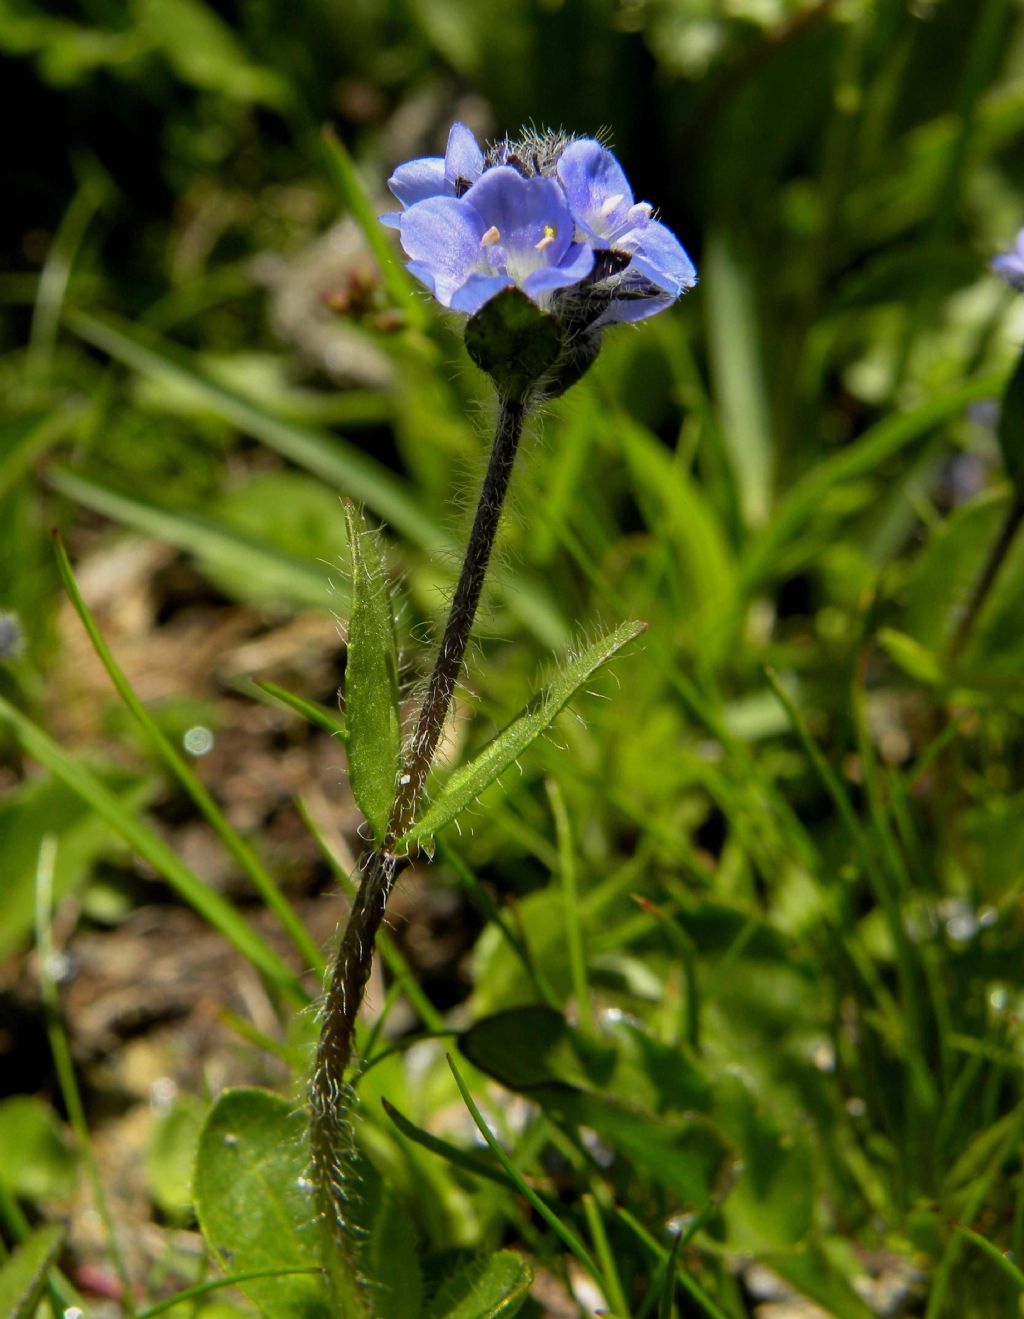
(760, 889)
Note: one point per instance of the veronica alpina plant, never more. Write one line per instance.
(540, 243)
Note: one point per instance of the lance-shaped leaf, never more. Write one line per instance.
(468, 782)
(371, 680)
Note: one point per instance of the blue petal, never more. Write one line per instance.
(421, 273)
(477, 290)
(633, 309)
(463, 158)
(659, 256)
(576, 267)
(1011, 268)
(442, 236)
(521, 210)
(419, 179)
(393, 219)
(591, 177)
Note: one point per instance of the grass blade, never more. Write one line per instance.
(565, 1234)
(283, 576)
(235, 844)
(994, 1253)
(214, 909)
(881, 441)
(320, 452)
(689, 1285)
(353, 195)
(451, 1153)
(739, 377)
(216, 1284)
(63, 1064)
(23, 1275)
(309, 710)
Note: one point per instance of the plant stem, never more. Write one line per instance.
(329, 1135)
(448, 666)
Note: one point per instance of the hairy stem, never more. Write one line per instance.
(448, 666)
(329, 1101)
(329, 1134)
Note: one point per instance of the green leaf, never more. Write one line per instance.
(23, 1275)
(25, 438)
(203, 50)
(326, 455)
(255, 1204)
(171, 1156)
(388, 1265)
(944, 577)
(288, 513)
(1003, 1261)
(371, 680)
(490, 1287)
(738, 371)
(536, 1052)
(771, 1205)
(238, 848)
(915, 660)
(457, 1157)
(38, 1160)
(679, 512)
(527, 1047)
(814, 1276)
(513, 341)
(468, 782)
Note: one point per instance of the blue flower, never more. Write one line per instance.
(506, 231)
(434, 176)
(1011, 264)
(548, 214)
(601, 201)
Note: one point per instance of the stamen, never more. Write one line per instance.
(610, 204)
(549, 237)
(492, 236)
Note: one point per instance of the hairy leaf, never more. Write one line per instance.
(371, 681)
(491, 1287)
(468, 782)
(255, 1204)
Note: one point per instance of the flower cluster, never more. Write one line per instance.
(1010, 265)
(550, 215)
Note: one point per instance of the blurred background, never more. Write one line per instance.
(203, 346)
